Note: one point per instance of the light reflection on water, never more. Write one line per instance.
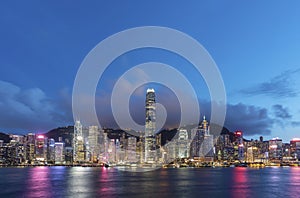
(240, 184)
(38, 183)
(185, 182)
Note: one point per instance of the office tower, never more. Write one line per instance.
(59, 153)
(105, 148)
(183, 144)
(78, 144)
(239, 145)
(41, 148)
(93, 142)
(131, 149)
(275, 149)
(68, 155)
(150, 144)
(295, 148)
(202, 144)
(51, 151)
(119, 153)
(207, 147)
(111, 151)
(30, 147)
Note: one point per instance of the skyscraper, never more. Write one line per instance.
(78, 144)
(295, 148)
(41, 148)
(59, 152)
(202, 143)
(150, 127)
(238, 135)
(93, 140)
(183, 144)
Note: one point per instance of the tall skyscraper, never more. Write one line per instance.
(295, 148)
(238, 135)
(202, 143)
(275, 149)
(78, 143)
(41, 148)
(131, 149)
(30, 148)
(59, 152)
(183, 144)
(93, 140)
(150, 127)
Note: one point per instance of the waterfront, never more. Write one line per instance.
(184, 182)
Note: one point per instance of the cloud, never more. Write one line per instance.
(26, 110)
(281, 112)
(248, 118)
(278, 86)
(295, 124)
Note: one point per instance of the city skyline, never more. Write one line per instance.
(253, 45)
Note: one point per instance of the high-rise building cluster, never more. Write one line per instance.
(32, 149)
(191, 145)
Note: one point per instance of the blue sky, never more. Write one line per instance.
(255, 44)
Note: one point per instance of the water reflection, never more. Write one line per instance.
(106, 186)
(38, 184)
(294, 178)
(81, 182)
(240, 185)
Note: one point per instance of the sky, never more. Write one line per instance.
(255, 45)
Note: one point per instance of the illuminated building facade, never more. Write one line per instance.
(183, 144)
(93, 142)
(239, 145)
(59, 153)
(78, 144)
(202, 146)
(30, 148)
(150, 127)
(131, 149)
(111, 151)
(51, 151)
(41, 148)
(295, 148)
(275, 149)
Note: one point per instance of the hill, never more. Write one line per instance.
(4, 137)
(66, 133)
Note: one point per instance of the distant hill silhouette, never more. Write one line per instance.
(66, 133)
(4, 137)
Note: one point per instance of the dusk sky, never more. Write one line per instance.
(256, 46)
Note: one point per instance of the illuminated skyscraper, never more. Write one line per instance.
(59, 152)
(202, 146)
(41, 148)
(295, 148)
(150, 127)
(183, 144)
(239, 144)
(275, 149)
(78, 143)
(131, 149)
(93, 141)
(51, 151)
(30, 147)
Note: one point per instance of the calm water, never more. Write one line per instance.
(101, 182)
